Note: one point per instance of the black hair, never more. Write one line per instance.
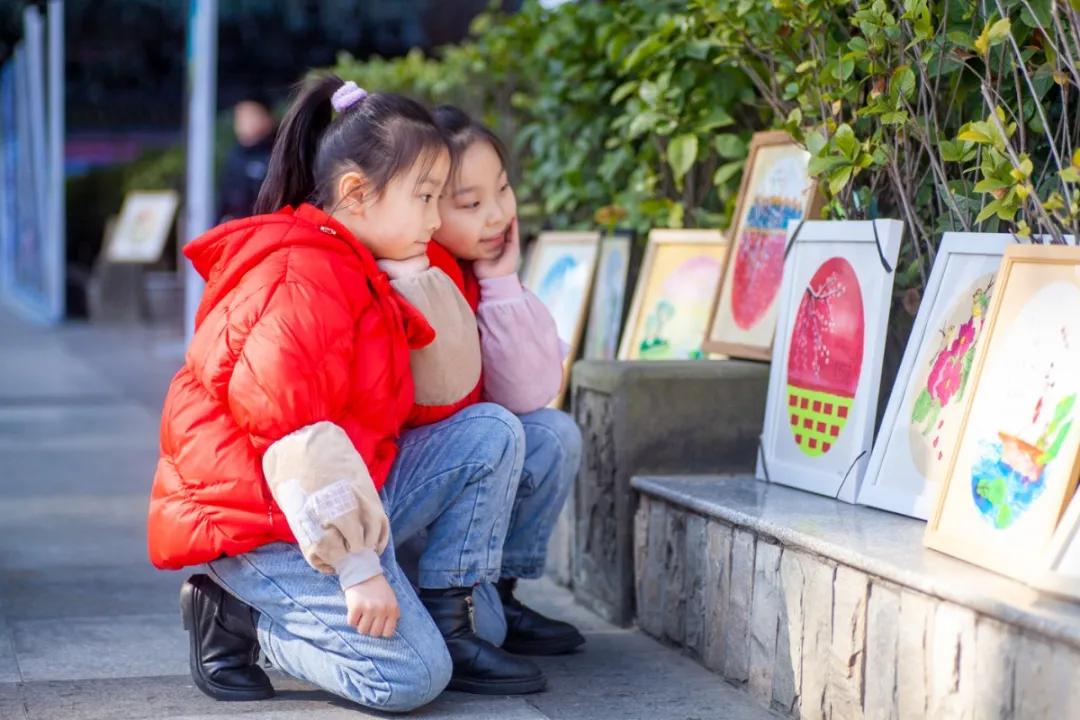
(460, 131)
(381, 135)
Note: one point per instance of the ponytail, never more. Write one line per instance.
(380, 134)
(290, 176)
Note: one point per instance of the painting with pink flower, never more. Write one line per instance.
(941, 392)
(926, 407)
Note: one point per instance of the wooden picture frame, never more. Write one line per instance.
(826, 365)
(561, 269)
(698, 257)
(1003, 494)
(778, 193)
(607, 309)
(903, 475)
(142, 228)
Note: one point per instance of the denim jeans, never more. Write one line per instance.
(552, 458)
(457, 479)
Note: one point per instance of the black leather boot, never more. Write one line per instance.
(479, 666)
(224, 647)
(530, 633)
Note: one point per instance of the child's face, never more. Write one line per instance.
(477, 209)
(399, 223)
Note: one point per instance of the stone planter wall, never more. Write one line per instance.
(826, 610)
(646, 417)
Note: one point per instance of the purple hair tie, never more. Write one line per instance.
(347, 95)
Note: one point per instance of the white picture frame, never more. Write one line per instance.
(818, 308)
(965, 264)
(143, 226)
(1059, 573)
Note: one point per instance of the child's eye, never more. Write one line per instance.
(426, 198)
(471, 206)
(505, 187)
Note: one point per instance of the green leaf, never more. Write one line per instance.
(682, 152)
(623, 91)
(717, 118)
(988, 211)
(727, 171)
(845, 140)
(990, 185)
(1070, 174)
(902, 82)
(729, 145)
(839, 179)
(815, 143)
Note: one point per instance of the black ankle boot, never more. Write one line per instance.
(224, 647)
(479, 666)
(530, 633)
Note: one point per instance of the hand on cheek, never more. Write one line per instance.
(507, 261)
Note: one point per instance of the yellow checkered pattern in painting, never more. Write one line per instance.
(816, 418)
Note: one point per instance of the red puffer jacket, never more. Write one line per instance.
(297, 325)
(466, 281)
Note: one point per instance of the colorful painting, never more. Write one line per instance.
(560, 273)
(826, 367)
(922, 419)
(825, 357)
(671, 305)
(776, 190)
(608, 300)
(945, 377)
(1015, 465)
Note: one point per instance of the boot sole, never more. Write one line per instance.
(205, 684)
(559, 646)
(498, 687)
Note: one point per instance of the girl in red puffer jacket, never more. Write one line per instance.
(284, 466)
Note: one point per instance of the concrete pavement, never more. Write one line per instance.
(89, 630)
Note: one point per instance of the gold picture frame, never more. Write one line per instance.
(561, 270)
(684, 246)
(770, 142)
(1034, 290)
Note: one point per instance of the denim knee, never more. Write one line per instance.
(410, 685)
(503, 434)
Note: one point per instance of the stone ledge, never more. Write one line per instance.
(878, 543)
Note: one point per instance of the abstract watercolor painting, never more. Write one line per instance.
(560, 272)
(776, 190)
(1015, 464)
(678, 277)
(926, 406)
(608, 299)
(826, 365)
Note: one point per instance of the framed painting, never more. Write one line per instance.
(608, 298)
(560, 272)
(927, 400)
(679, 275)
(776, 188)
(143, 227)
(1015, 463)
(826, 364)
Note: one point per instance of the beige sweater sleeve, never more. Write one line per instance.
(325, 491)
(449, 368)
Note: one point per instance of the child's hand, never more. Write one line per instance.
(398, 269)
(507, 262)
(373, 607)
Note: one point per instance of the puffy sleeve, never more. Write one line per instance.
(520, 346)
(287, 392)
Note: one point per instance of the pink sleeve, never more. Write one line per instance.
(520, 348)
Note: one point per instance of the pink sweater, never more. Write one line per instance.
(521, 352)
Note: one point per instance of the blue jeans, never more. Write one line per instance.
(552, 458)
(456, 479)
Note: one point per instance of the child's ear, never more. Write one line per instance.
(350, 187)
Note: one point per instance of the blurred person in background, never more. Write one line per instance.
(247, 161)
